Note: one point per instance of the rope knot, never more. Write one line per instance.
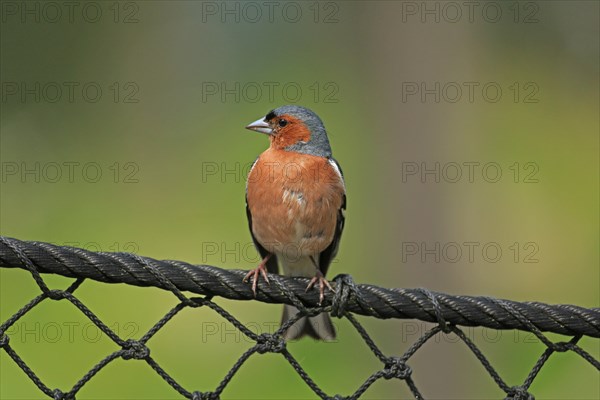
(344, 287)
(519, 393)
(396, 368)
(57, 394)
(56, 294)
(443, 325)
(195, 302)
(4, 340)
(561, 347)
(135, 349)
(270, 343)
(204, 396)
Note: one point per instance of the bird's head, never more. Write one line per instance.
(294, 128)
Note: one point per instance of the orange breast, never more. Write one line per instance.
(294, 200)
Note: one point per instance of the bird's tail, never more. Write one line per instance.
(318, 327)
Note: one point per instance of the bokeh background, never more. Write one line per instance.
(148, 154)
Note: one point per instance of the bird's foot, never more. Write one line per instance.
(322, 283)
(257, 272)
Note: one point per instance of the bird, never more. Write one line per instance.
(295, 204)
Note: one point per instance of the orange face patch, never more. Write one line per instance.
(295, 131)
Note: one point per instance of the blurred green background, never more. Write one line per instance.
(148, 154)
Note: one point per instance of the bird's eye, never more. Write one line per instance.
(282, 122)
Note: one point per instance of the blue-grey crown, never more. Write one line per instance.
(318, 145)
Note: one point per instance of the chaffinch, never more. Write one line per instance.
(295, 202)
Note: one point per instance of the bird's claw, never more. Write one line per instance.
(322, 283)
(256, 273)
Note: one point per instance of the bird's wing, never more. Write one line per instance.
(329, 253)
(272, 263)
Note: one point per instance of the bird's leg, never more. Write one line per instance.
(319, 277)
(256, 272)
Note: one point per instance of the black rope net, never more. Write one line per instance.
(348, 298)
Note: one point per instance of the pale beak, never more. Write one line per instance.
(260, 126)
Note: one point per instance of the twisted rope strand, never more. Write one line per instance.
(364, 299)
